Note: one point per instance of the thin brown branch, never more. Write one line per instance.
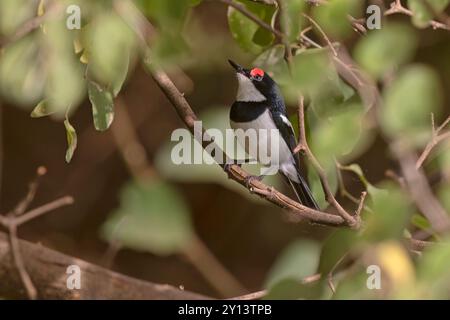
(39, 211)
(20, 265)
(419, 189)
(242, 9)
(262, 293)
(352, 221)
(32, 188)
(324, 35)
(53, 10)
(436, 137)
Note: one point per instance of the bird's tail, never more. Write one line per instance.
(303, 192)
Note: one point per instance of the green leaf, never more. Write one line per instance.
(335, 247)
(384, 50)
(152, 217)
(420, 222)
(421, 14)
(102, 106)
(109, 41)
(249, 35)
(272, 61)
(71, 135)
(14, 13)
(292, 18)
(391, 208)
(41, 110)
(20, 73)
(409, 101)
(167, 13)
(299, 260)
(333, 18)
(434, 272)
(338, 136)
(291, 289)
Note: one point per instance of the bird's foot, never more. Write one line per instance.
(248, 181)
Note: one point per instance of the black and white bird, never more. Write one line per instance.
(260, 105)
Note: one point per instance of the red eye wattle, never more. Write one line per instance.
(257, 72)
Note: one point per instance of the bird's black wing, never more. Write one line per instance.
(287, 132)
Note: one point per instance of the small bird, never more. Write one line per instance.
(260, 105)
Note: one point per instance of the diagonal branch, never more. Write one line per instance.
(436, 138)
(236, 173)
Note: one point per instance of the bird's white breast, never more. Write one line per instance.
(265, 141)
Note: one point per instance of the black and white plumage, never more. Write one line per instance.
(260, 105)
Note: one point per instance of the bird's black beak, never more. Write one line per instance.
(237, 67)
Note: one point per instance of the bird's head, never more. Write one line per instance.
(255, 85)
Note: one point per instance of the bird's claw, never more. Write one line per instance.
(248, 181)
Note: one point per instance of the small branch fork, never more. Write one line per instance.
(397, 7)
(18, 216)
(437, 137)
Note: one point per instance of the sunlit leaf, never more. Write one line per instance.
(41, 110)
(102, 106)
(109, 43)
(20, 73)
(152, 217)
(13, 13)
(71, 135)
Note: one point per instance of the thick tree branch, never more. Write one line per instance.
(48, 269)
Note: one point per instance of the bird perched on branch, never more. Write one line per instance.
(259, 106)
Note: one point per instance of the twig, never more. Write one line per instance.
(18, 261)
(32, 188)
(53, 10)
(39, 211)
(330, 274)
(397, 7)
(352, 221)
(419, 189)
(242, 9)
(262, 293)
(324, 35)
(436, 138)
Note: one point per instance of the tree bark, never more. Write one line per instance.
(47, 269)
